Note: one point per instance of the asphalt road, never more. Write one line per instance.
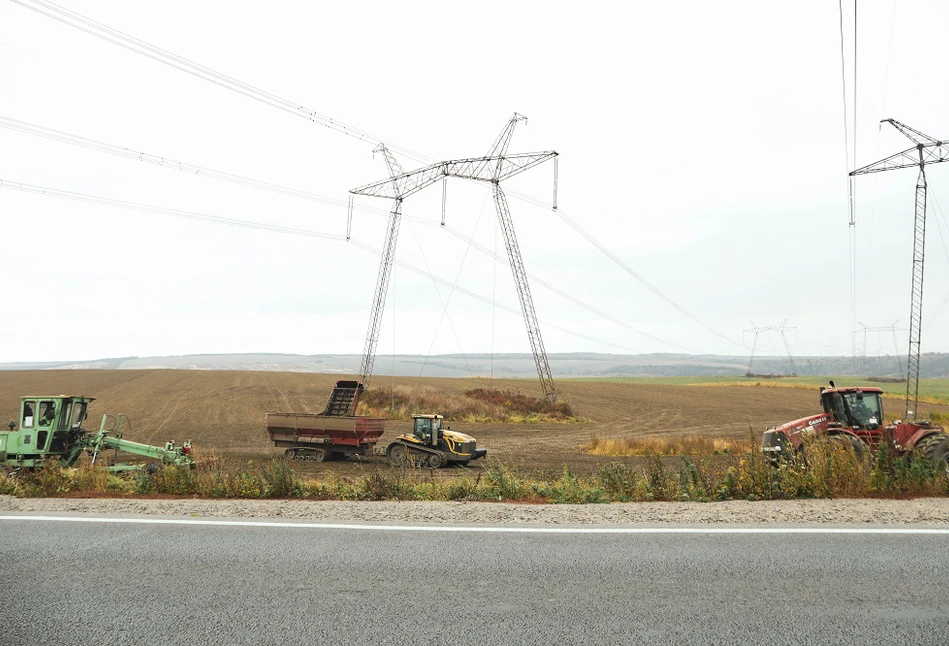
(109, 583)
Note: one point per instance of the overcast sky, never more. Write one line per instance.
(701, 143)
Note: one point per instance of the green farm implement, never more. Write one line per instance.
(51, 431)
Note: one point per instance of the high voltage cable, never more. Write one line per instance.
(126, 41)
(563, 294)
(130, 43)
(203, 171)
(945, 248)
(851, 228)
(853, 304)
(179, 213)
(612, 256)
(165, 162)
(444, 303)
(250, 224)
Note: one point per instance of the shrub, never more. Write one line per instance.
(478, 405)
(570, 489)
(619, 482)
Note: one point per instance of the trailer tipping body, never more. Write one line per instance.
(307, 436)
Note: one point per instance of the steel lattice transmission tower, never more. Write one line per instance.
(493, 168)
(892, 329)
(768, 329)
(388, 257)
(925, 151)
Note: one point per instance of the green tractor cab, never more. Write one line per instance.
(51, 428)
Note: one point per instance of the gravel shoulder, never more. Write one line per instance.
(922, 511)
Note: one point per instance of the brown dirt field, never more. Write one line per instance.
(223, 411)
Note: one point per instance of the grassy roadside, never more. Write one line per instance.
(829, 472)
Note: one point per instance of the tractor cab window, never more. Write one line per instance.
(58, 443)
(78, 414)
(28, 410)
(834, 404)
(864, 410)
(423, 429)
(47, 413)
(64, 417)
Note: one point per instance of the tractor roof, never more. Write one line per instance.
(854, 389)
(428, 416)
(82, 397)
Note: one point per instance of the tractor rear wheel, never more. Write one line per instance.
(935, 448)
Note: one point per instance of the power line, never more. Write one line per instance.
(178, 213)
(444, 303)
(250, 224)
(165, 162)
(116, 37)
(204, 171)
(940, 223)
(851, 230)
(497, 257)
(616, 260)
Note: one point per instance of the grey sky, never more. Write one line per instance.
(701, 142)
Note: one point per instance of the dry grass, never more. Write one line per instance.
(800, 385)
(694, 445)
(477, 405)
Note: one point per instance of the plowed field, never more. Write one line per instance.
(224, 411)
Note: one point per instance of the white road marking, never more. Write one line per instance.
(487, 529)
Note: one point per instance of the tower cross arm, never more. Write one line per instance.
(926, 150)
(918, 155)
(403, 185)
(496, 169)
(912, 134)
(486, 169)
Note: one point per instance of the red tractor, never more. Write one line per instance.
(854, 418)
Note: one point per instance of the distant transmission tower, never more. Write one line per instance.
(493, 168)
(758, 330)
(892, 329)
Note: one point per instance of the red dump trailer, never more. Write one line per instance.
(306, 436)
(335, 433)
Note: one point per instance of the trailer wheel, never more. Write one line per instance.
(397, 455)
(291, 454)
(935, 448)
(319, 455)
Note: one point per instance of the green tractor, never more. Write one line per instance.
(50, 430)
